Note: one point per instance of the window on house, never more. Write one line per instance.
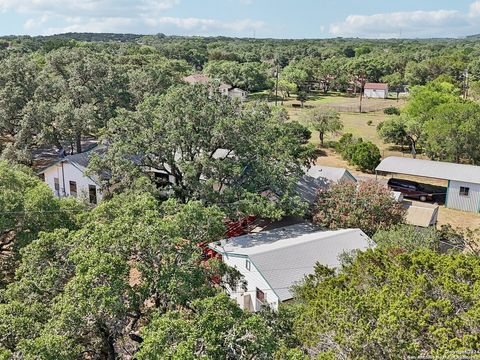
(56, 183)
(73, 188)
(260, 295)
(92, 194)
(464, 191)
(248, 265)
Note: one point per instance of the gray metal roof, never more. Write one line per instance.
(286, 255)
(320, 177)
(430, 169)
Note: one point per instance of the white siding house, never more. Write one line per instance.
(67, 177)
(237, 93)
(224, 89)
(376, 90)
(463, 191)
(271, 262)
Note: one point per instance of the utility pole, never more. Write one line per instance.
(276, 85)
(362, 85)
(465, 84)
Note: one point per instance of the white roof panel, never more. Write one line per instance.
(431, 169)
(320, 177)
(286, 255)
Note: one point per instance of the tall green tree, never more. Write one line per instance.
(324, 121)
(27, 207)
(18, 83)
(92, 289)
(390, 305)
(79, 91)
(215, 149)
(451, 135)
(215, 328)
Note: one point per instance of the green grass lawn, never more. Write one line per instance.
(353, 122)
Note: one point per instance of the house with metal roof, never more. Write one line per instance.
(376, 90)
(319, 177)
(271, 262)
(463, 190)
(67, 176)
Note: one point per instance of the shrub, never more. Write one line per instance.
(369, 122)
(392, 110)
(344, 142)
(365, 155)
(368, 206)
(408, 238)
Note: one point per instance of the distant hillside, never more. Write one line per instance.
(98, 37)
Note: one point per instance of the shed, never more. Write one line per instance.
(273, 261)
(421, 214)
(376, 90)
(320, 177)
(463, 191)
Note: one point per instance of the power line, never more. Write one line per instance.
(39, 212)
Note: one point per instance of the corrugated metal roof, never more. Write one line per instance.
(286, 255)
(320, 177)
(376, 86)
(431, 169)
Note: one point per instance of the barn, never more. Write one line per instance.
(376, 90)
(463, 190)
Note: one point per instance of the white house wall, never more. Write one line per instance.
(466, 203)
(254, 280)
(70, 173)
(376, 94)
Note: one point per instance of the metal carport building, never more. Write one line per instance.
(463, 191)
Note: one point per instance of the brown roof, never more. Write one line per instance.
(197, 79)
(376, 86)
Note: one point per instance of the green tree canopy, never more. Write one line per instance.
(27, 207)
(217, 150)
(390, 305)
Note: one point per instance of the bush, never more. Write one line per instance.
(408, 238)
(392, 110)
(368, 206)
(365, 155)
(344, 142)
(369, 122)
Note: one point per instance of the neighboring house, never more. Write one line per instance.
(197, 79)
(376, 90)
(237, 93)
(463, 191)
(224, 89)
(271, 262)
(66, 177)
(320, 177)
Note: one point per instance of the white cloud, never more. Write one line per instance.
(138, 16)
(206, 25)
(439, 23)
(92, 8)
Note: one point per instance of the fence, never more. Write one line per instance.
(403, 153)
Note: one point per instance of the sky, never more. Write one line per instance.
(245, 18)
